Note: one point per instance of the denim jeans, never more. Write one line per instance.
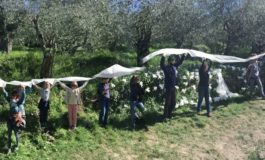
(203, 93)
(256, 81)
(134, 105)
(11, 126)
(104, 111)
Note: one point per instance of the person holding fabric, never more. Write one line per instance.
(170, 73)
(136, 99)
(21, 89)
(103, 91)
(44, 103)
(203, 87)
(73, 100)
(15, 120)
(252, 76)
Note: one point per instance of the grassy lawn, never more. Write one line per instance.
(236, 131)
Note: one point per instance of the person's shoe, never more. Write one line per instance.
(209, 114)
(16, 148)
(9, 151)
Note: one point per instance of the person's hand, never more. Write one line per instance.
(22, 86)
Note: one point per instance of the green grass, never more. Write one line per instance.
(236, 130)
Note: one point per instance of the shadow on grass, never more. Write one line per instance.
(149, 118)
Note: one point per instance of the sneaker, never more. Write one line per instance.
(16, 148)
(9, 151)
(209, 114)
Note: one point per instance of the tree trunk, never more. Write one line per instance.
(143, 43)
(9, 45)
(47, 65)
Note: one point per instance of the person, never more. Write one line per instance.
(103, 91)
(44, 103)
(21, 89)
(170, 73)
(136, 99)
(73, 100)
(15, 120)
(252, 76)
(203, 87)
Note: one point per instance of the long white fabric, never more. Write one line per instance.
(111, 72)
(117, 71)
(70, 79)
(52, 81)
(222, 89)
(199, 54)
(2, 83)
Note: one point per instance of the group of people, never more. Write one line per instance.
(17, 117)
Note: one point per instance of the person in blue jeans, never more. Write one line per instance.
(136, 99)
(103, 97)
(203, 87)
(15, 120)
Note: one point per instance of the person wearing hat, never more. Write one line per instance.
(252, 76)
(73, 100)
(170, 73)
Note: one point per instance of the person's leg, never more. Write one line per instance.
(70, 116)
(260, 87)
(133, 104)
(140, 106)
(102, 111)
(9, 131)
(74, 115)
(172, 102)
(167, 103)
(106, 112)
(200, 99)
(16, 130)
(207, 101)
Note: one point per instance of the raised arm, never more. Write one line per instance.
(6, 94)
(22, 98)
(83, 86)
(37, 87)
(64, 86)
(162, 63)
(210, 65)
(180, 61)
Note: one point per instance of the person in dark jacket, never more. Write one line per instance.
(136, 99)
(170, 73)
(203, 87)
(103, 91)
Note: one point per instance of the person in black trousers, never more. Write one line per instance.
(170, 73)
(203, 87)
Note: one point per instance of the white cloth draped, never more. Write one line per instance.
(199, 54)
(52, 81)
(19, 83)
(71, 79)
(117, 71)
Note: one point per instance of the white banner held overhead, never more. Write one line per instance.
(117, 71)
(19, 83)
(200, 54)
(70, 79)
(52, 81)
